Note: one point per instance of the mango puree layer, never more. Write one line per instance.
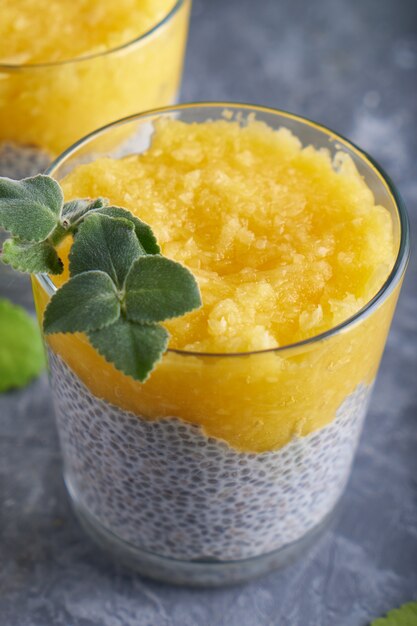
(285, 243)
(57, 90)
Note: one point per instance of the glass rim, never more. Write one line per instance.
(16, 67)
(386, 289)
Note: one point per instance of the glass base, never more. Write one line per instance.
(198, 573)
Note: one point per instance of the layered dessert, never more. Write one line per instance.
(67, 68)
(241, 441)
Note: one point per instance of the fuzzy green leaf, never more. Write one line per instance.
(120, 285)
(404, 616)
(30, 208)
(74, 210)
(87, 301)
(133, 348)
(106, 244)
(143, 231)
(22, 356)
(158, 289)
(32, 257)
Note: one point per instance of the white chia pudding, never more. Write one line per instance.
(165, 487)
(18, 161)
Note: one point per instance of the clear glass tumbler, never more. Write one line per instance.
(46, 107)
(152, 478)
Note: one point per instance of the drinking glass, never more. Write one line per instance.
(156, 472)
(46, 107)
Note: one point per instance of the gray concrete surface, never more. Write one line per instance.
(351, 65)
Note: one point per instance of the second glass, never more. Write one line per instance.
(46, 107)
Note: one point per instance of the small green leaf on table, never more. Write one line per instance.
(133, 348)
(22, 355)
(30, 208)
(158, 289)
(87, 301)
(32, 257)
(406, 615)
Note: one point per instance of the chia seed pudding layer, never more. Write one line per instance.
(165, 487)
(19, 161)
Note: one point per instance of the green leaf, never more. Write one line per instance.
(32, 257)
(22, 356)
(74, 210)
(158, 289)
(87, 301)
(404, 616)
(120, 285)
(106, 244)
(30, 208)
(143, 231)
(133, 348)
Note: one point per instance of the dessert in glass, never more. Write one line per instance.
(67, 68)
(231, 457)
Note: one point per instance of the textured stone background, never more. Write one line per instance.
(351, 65)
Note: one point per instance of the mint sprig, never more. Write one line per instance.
(120, 286)
(33, 211)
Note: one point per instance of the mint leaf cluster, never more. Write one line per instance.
(34, 212)
(120, 288)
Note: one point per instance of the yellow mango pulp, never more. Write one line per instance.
(62, 76)
(285, 244)
(47, 31)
